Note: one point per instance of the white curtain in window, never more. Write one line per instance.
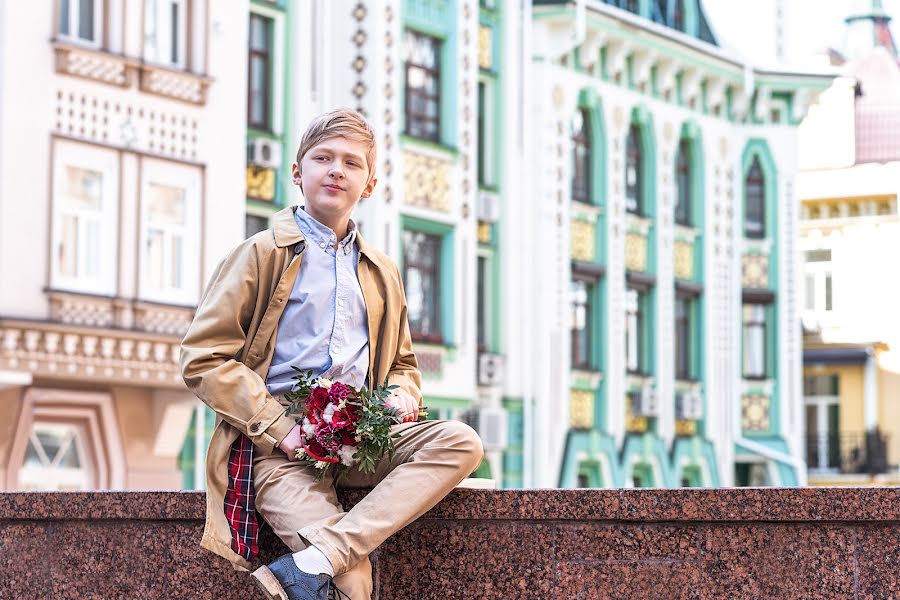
(165, 32)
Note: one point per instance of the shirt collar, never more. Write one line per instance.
(322, 234)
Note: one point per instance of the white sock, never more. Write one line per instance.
(312, 561)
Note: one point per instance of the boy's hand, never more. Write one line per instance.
(406, 406)
(291, 442)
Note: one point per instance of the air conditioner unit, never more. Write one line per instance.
(689, 405)
(264, 153)
(645, 403)
(491, 425)
(490, 369)
(487, 207)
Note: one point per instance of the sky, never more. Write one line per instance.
(810, 26)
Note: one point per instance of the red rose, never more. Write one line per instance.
(342, 418)
(317, 452)
(347, 438)
(318, 399)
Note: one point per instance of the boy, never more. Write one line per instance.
(311, 293)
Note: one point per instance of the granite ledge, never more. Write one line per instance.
(838, 504)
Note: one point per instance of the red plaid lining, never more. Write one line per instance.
(239, 499)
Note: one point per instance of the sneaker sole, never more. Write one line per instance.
(268, 584)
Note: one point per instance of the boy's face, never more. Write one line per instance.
(332, 176)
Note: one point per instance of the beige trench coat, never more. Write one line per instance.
(227, 350)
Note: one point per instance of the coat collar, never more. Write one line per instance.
(287, 233)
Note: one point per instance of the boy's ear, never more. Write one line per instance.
(296, 175)
(367, 191)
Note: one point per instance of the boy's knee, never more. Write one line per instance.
(461, 436)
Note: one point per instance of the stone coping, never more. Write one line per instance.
(853, 504)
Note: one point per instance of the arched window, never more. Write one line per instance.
(634, 172)
(581, 157)
(678, 15)
(755, 202)
(683, 180)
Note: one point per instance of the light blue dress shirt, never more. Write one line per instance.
(324, 327)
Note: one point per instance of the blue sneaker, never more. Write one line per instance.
(282, 580)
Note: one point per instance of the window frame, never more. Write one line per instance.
(92, 158)
(266, 56)
(588, 361)
(436, 73)
(436, 275)
(487, 166)
(582, 139)
(755, 175)
(758, 324)
(684, 184)
(164, 33)
(75, 21)
(822, 274)
(690, 296)
(641, 368)
(634, 151)
(484, 300)
(189, 179)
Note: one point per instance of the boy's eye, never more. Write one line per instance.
(352, 164)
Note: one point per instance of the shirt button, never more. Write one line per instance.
(340, 302)
(321, 244)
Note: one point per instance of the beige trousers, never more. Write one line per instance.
(431, 458)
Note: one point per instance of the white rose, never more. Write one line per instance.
(308, 428)
(346, 453)
(324, 382)
(328, 412)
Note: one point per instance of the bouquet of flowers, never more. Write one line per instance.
(342, 425)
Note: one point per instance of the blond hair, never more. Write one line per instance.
(341, 122)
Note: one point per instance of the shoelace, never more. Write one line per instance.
(334, 593)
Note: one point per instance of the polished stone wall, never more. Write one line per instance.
(687, 543)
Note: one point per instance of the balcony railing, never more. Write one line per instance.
(848, 452)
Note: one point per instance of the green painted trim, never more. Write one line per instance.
(440, 23)
(447, 234)
(483, 470)
(787, 472)
(699, 451)
(446, 402)
(418, 143)
(593, 443)
(691, 131)
(647, 448)
(759, 148)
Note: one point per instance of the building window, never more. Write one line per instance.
(683, 349)
(634, 172)
(56, 459)
(755, 198)
(583, 310)
(259, 72)
(423, 85)
(485, 302)
(754, 341)
(165, 32)
(635, 331)
(683, 181)
(85, 214)
(421, 278)
(80, 20)
(818, 281)
(678, 15)
(170, 234)
(486, 177)
(631, 6)
(581, 157)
